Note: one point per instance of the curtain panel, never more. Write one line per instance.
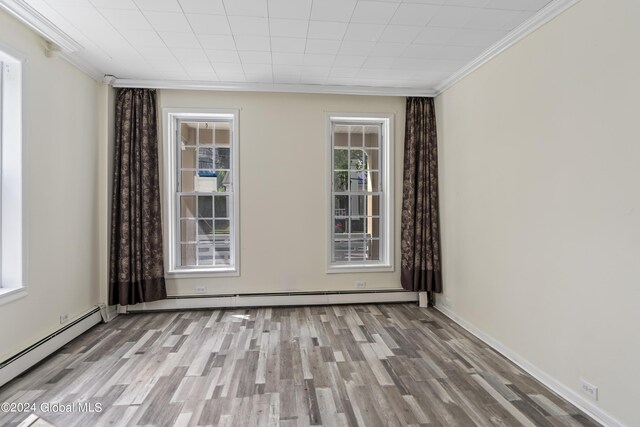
(420, 228)
(136, 258)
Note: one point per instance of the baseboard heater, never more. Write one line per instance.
(30, 356)
(275, 299)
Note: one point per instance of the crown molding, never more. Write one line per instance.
(83, 65)
(35, 20)
(275, 87)
(543, 16)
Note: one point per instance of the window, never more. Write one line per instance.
(11, 212)
(360, 193)
(202, 183)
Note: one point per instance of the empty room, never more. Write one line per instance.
(319, 213)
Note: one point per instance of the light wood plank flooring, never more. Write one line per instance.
(365, 365)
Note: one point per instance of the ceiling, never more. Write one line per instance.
(411, 44)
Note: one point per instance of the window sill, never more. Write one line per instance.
(202, 273)
(360, 268)
(8, 295)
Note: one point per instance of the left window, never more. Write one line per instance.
(202, 191)
(11, 197)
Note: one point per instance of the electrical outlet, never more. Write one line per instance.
(201, 289)
(361, 285)
(589, 389)
(64, 318)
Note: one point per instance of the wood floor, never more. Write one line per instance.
(365, 365)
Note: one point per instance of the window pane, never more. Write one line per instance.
(355, 139)
(358, 206)
(371, 159)
(373, 249)
(188, 254)
(205, 207)
(341, 181)
(341, 205)
(205, 158)
(188, 230)
(187, 181)
(223, 135)
(372, 136)
(340, 250)
(188, 157)
(340, 226)
(224, 181)
(356, 160)
(205, 182)
(223, 158)
(222, 206)
(373, 227)
(222, 252)
(188, 133)
(222, 226)
(340, 159)
(187, 206)
(357, 225)
(359, 181)
(357, 249)
(373, 205)
(205, 254)
(206, 133)
(205, 230)
(340, 136)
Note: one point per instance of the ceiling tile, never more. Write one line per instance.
(143, 39)
(298, 9)
(287, 58)
(228, 68)
(349, 61)
(213, 7)
(231, 77)
(248, 25)
(246, 7)
(327, 30)
(288, 44)
(197, 67)
(482, 38)
(344, 72)
(391, 50)
(126, 19)
(312, 60)
(332, 10)
(414, 14)
(159, 5)
(356, 48)
(168, 21)
(492, 19)
(436, 35)
(102, 4)
(517, 4)
(288, 27)
(322, 46)
(190, 55)
(400, 33)
(378, 63)
(373, 12)
(255, 57)
(255, 43)
(469, 3)
(179, 39)
(157, 53)
(364, 32)
(226, 56)
(457, 17)
(262, 69)
(216, 42)
(209, 24)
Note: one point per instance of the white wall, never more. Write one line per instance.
(540, 200)
(60, 122)
(283, 210)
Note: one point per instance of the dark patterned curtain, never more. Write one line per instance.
(136, 264)
(420, 246)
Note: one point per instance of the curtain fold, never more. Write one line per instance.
(136, 255)
(420, 228)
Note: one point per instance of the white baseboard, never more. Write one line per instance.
(16, 365)
(233, 301)
(559, 388)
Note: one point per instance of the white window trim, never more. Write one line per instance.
(386, 263)
(170, 201)
(12, 172)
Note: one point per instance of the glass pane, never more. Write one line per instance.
(357, 249)
(341, 205)
(340, 226)
(355, 139)
(223, 135)
(372, 136)
(188, 230)
(356, 160)
(206, 133)
(222, 252)
(359, 181)
(371, 159)
(357, 225)
(340, 159)
(373, 249)
(223, 158)
(340, 136)
(358, 206)
(188, 255)
(222, 226)
(340, 250)
(187, 180)
(373, 227)
(373, 205)
(222, 206)
(205, 158)
(188, 157)
(188, 206)
(341, 181)
(205, 254)
(188, 133)
(374, 182)
(224, 181)
(205, 206)
(205, 182)
(205, 230)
